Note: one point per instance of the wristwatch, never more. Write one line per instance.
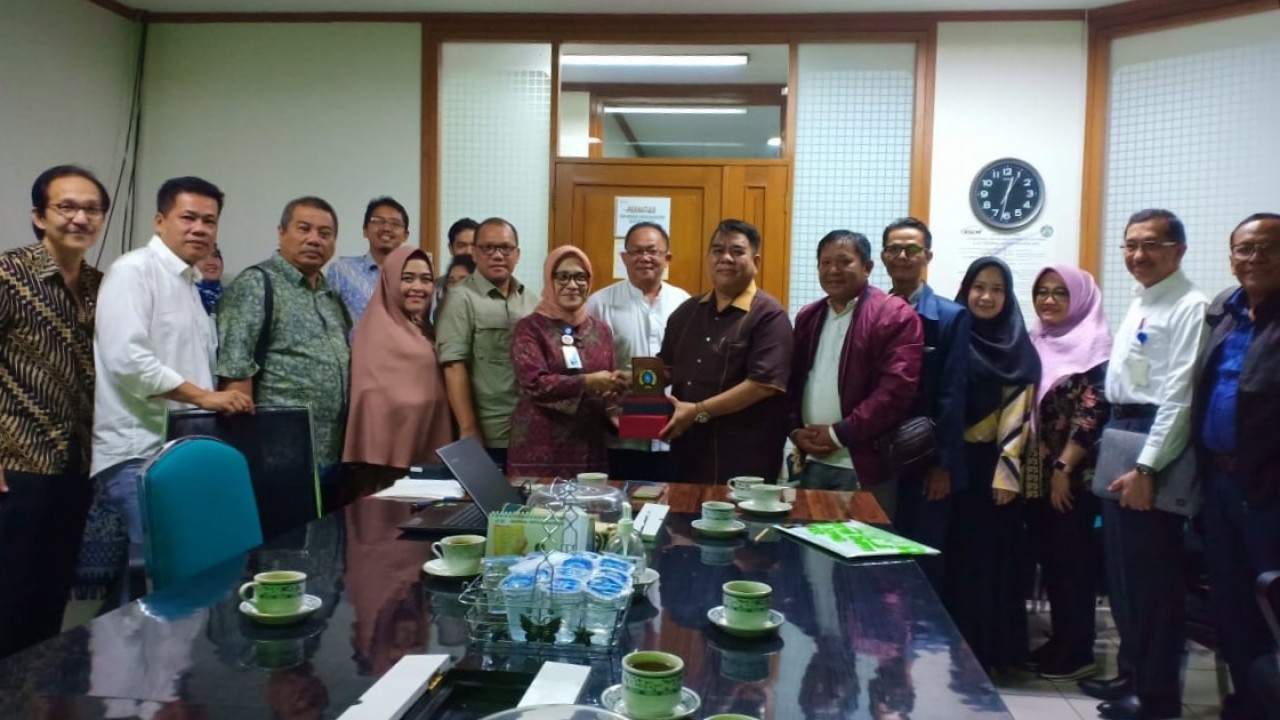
(1145, 470)
(1059, 465)
(703, 417)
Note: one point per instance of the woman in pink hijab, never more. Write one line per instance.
(566, 377)
(1074, 342)
(399, 410)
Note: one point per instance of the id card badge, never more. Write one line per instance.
(572, 360)
(1139, 370)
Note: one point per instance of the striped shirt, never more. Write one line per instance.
(46, 363)
(1008, 427)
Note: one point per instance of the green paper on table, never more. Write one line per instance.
(853, 539)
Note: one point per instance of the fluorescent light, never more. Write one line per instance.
(655, 60)
(774, 142)
(674, 110)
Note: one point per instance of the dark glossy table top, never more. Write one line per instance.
(863, 640)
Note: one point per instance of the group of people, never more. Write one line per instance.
(392, 364)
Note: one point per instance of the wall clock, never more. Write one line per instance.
(1007, 194)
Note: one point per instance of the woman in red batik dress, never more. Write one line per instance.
(566, 377)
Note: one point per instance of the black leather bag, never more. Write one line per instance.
(911, 447)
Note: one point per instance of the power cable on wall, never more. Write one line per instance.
(129, 159)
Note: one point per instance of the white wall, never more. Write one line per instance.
(270, 112)
(575, 124)
(66, 74)
(1007, 89)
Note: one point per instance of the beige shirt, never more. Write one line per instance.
(474, 327)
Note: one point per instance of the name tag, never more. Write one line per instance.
(572, 360)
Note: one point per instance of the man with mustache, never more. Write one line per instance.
(154, 347)
(299, 355)
(637, 310)
(473, 338)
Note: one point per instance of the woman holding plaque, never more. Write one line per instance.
(985, 589)
(565, 376)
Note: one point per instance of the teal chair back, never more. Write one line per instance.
(197, 508)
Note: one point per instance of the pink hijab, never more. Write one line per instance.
(399, 409)
(1078, 344)
(548, 307)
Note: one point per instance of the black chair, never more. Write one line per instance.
(276, 441)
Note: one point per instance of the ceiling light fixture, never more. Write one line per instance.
(655, 60)
(674, 110)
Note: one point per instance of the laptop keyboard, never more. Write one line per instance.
(470, 516)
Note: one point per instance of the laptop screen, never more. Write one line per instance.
(479, 475)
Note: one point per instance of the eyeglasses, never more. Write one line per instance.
(1146, 246)
(70, 210)
(504, 250)
(1059, 294)
(564, 278)
(1246, 251)
(908, 250)
(652, 252)
(392, 223)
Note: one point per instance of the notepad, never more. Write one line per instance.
(411, 490)
(527, 530)
(853, 539)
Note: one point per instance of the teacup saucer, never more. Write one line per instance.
(750, 506)
(689, 703)
(646, 578)
(735, 496)
(733, 527)
(310, 603)
(439, 569)
(716, 616)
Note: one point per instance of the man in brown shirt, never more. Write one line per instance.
(47, 295)
(728, 358)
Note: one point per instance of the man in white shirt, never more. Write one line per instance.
(154, 347)
(637, 309)
(1150, 382)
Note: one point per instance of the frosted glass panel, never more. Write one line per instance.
(495, 148)
(1192, 129)
(854, 113)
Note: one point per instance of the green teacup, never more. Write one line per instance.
(747, 603)
(594, 479)
(460, 553)
(651, 683)
(278, 592)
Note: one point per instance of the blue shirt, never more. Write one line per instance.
(210, 294)
(1220, 419)
(354, 279)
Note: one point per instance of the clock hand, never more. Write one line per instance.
(1009, 188)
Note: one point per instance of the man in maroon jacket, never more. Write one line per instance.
(854, 374)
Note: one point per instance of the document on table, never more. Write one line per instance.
(556, 684)
(397, 690)
(410, 490)
(852, 539)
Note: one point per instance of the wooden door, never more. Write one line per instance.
(701, 193)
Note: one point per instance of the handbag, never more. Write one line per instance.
(1177, 486)
(911, 447)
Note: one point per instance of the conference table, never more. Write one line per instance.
(865, 639)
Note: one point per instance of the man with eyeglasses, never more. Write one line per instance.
(1150, 380)
(48, 293)
(473, 338)
(924, 499)
(386, 227)
(637, 310)
(1236, 407)
(728, 359)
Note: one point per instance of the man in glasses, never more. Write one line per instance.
(386, 227)
(1150, 382)
(637, 310)
(47, 298)
(473, 338)
(1236, 407)
(924, 500)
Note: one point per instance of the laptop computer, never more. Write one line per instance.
(484, 482)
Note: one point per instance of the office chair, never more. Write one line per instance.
(197, 508)
(276, 442)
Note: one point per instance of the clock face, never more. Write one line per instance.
(1007, 194)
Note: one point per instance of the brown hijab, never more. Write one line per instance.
(548, 306)
(399, 410)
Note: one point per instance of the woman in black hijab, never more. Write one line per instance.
(985, 583)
